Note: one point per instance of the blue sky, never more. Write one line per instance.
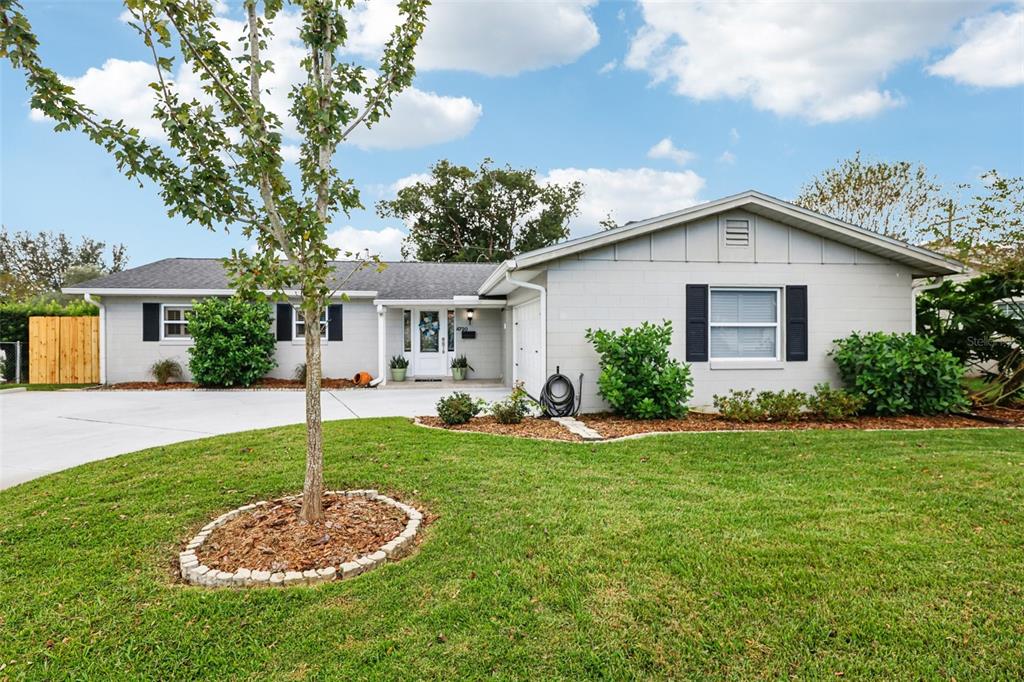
(749, 96)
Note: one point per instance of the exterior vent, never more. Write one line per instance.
(737, 233)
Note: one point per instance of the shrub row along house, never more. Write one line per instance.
(756, 288)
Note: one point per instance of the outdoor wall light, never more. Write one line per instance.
(469, 314)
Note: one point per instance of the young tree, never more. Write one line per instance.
(487, 214)
(224, 166)
(37, 263)
(895, 199)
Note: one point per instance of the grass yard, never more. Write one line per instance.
(764, 555)
(44, 387)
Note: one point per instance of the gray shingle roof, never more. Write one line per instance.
(398, 280)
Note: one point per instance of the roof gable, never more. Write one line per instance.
(921, 260)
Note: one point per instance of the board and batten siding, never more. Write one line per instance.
(644, 279)
(129, 357)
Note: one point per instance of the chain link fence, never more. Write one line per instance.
(13, 362)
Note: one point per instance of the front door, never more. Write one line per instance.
(430, 344)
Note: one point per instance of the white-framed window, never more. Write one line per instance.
(174, 321)
(744, 323)
(299, 331)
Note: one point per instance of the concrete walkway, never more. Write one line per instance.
(42, 432)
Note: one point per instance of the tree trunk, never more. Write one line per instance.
(313, 490)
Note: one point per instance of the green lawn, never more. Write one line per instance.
(763, 555)
(44, 387)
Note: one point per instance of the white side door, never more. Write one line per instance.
(528, 365)
(429, 334)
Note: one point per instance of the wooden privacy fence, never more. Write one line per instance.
(64, 350)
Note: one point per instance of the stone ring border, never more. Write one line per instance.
(195, 573)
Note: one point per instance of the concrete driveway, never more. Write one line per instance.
(43, 432)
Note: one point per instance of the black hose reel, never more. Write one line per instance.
(558, 397)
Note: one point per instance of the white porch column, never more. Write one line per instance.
(382, 344)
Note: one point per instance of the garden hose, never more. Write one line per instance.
(558, 398)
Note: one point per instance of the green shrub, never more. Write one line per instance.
(458, 408)
(638, 377)
(233, 344)
(739, 406)
(512, 409)
(781, 406)
(166, 369)
(834, 404)
(299, 373)
(900, 373)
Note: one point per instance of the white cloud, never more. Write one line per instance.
(495, 38)
(990, 52)
(627, 194)
(664, 149)
(608, 67)
(727, 157)
(734, 135)
(823, 61)
(385, 242)
(120, 90)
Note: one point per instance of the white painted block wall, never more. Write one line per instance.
(848, 291)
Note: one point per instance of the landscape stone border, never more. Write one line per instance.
(198, 574)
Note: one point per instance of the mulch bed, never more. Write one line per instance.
(529, 428)
(261, 383)
(612, 426)
(273, 538)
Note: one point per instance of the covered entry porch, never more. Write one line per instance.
(430, 334)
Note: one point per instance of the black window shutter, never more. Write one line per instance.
(696, 322)
(334, 322)
(796, 323)
(284, 321)
(150, 321)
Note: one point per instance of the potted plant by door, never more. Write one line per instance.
(398, 367)
(460, 367)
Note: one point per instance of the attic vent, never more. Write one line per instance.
(737, 233)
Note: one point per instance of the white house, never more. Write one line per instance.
(756, 288)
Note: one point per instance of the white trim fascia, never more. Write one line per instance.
(124, 291)
(498, 275)
(734, 202)
(446, 302)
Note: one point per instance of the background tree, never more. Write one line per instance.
(896, 199)
(40, 263)
(224, 165)
(981, 322)
(487, 214)
(987, 230)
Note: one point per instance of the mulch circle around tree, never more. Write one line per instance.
(267, 543)
(267, 383)
(612, 426)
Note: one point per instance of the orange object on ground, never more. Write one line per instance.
(362, 378)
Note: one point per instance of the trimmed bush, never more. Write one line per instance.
(834, 404)
(165, 370)
(458, 408)
(900, 374)
(233, 343)
(512, 409)
(638, 377)
(766, 406)
(781, 406)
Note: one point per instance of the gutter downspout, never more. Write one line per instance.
(543, 318)
(103, 335)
